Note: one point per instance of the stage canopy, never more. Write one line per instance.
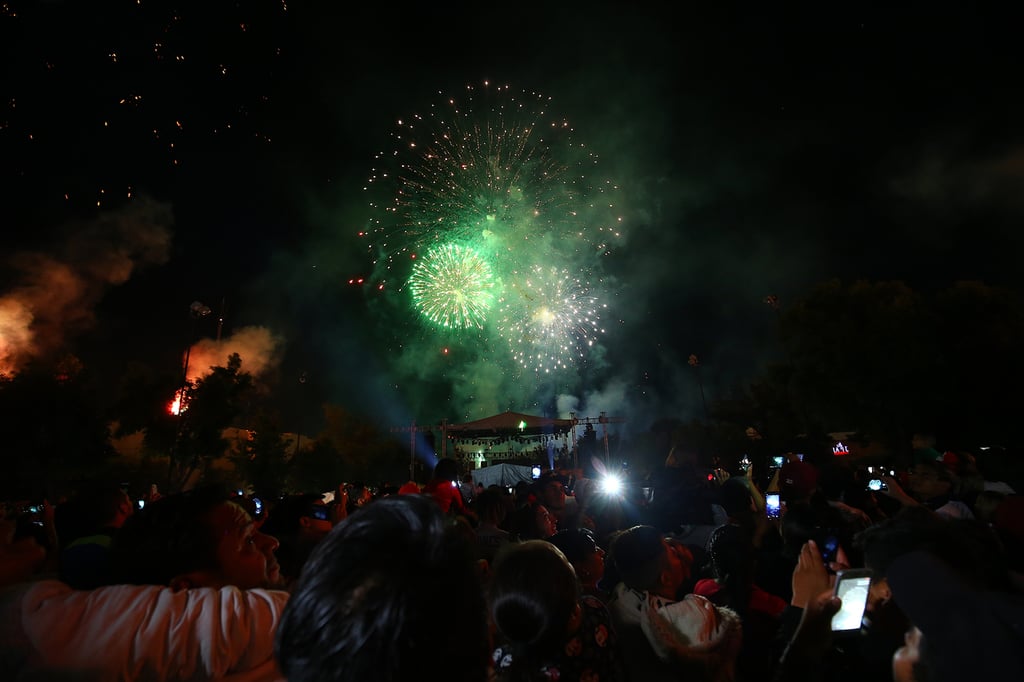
(508, 423)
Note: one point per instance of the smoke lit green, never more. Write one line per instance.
(486, 217)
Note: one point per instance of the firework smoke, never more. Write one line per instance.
(258, 348)
(55, 294)
(487, 237)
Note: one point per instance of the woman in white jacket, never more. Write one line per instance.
(193, 604)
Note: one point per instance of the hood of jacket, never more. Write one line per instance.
(694, 634)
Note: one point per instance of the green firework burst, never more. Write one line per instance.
(452, 286)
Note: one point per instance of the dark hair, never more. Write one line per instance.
(533, 593)
(284, 518)
(490, 506)
(638, 554)
(969, 547)
(799, 524)
(577, 544)
(167, 538)
(446, 469)
(284, 522)
(731, 558)
(734, 496)
(390, 594)
(523, 522)
(548, 479)
(88, 510)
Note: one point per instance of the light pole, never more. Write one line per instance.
(196, 311)
(575, 453)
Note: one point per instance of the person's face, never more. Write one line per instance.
(546, 521)
(906, 656)
(245, 556)
(554, 495)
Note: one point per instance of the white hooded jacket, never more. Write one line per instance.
(690, 639)
(138, 632)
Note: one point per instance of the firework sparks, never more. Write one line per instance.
(486, 218)
(452, 287)
(549, 319)
(494, 171)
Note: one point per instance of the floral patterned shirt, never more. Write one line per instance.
(589, 654)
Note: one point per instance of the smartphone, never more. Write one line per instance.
(321, 512)
(777, 462)
(828, 545)
(535, 472)
(876, 484)
(852, 586)
(772, 505)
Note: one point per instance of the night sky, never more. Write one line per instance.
(153, 154)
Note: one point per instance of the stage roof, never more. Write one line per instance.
(510, 423)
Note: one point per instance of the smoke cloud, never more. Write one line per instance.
(53, 295)
(258, 348)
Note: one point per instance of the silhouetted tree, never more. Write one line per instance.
(883, 359)
(53, 427)
(317, 468)
(262, 461)
(213, 404)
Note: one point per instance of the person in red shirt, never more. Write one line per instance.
(443, 486)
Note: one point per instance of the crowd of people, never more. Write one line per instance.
(702, 577)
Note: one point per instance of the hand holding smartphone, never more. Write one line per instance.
(852, 587)
(828, 543)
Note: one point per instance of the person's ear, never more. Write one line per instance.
(305, 522)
